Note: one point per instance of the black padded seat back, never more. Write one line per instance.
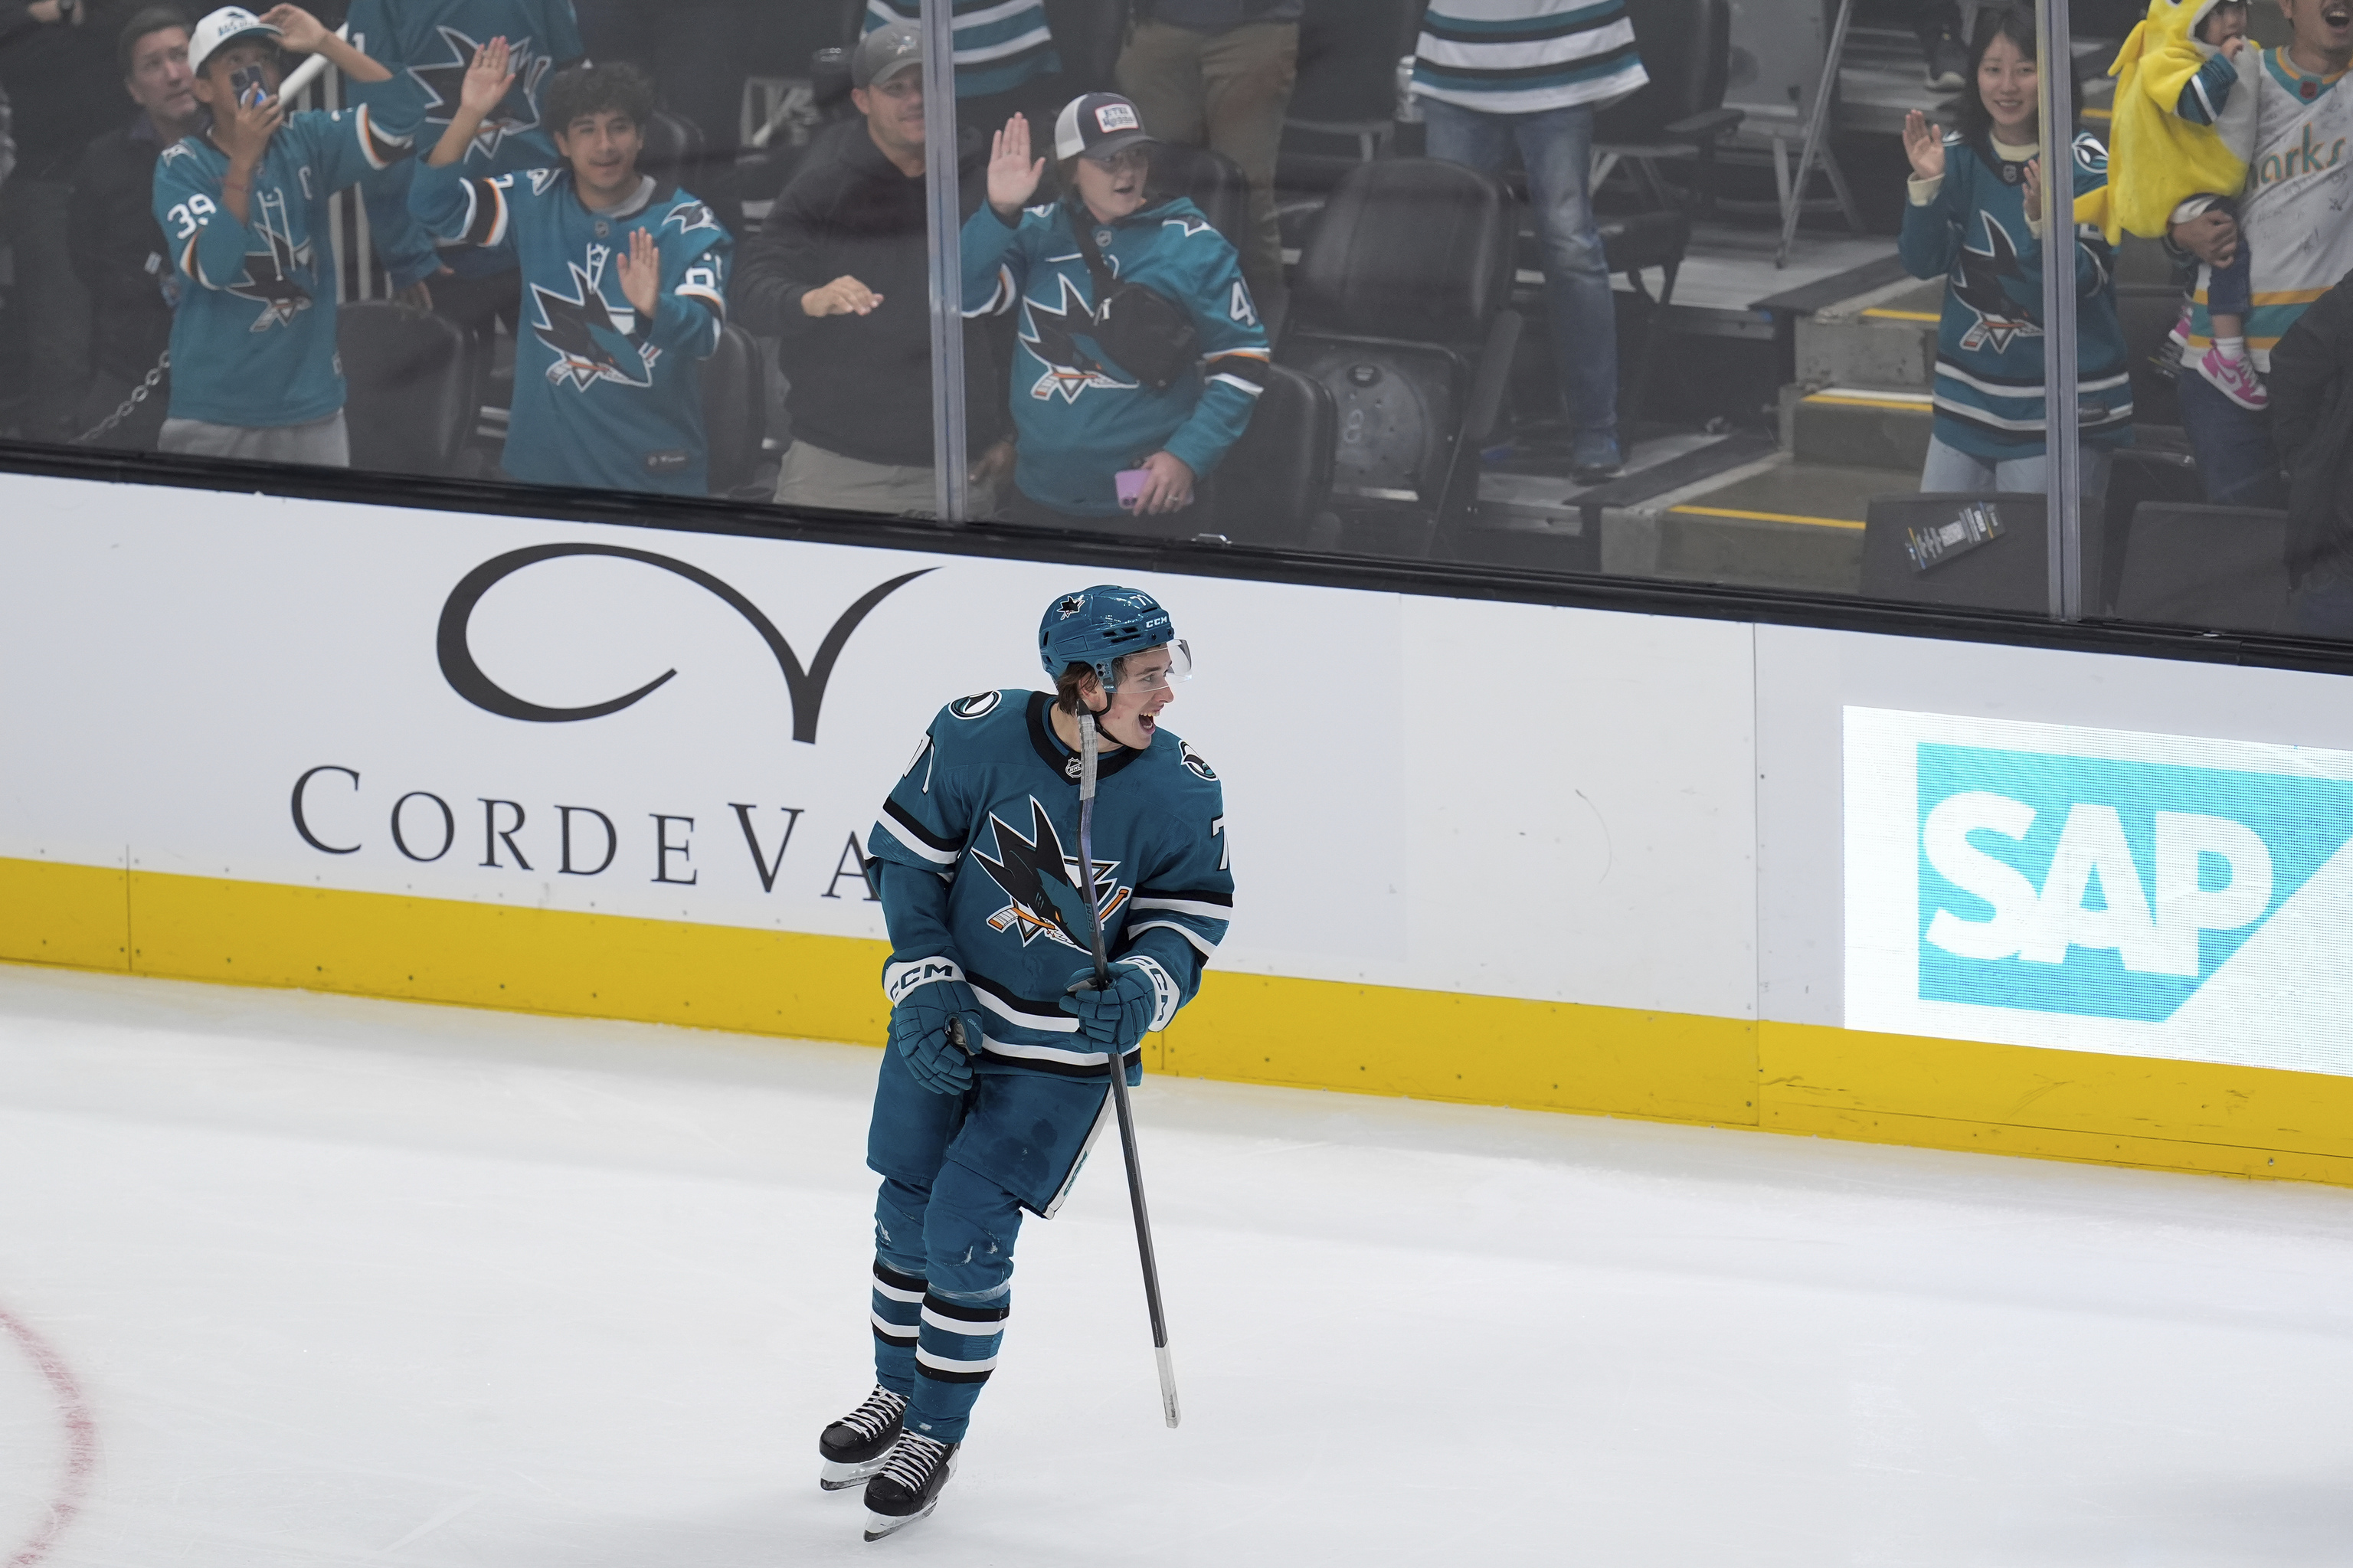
(1210, 181)
(412, 391)
(1686, 49)
(2218, 568)
(673, 148)
(1408, 247)
(1278, 476)
(2010, 571)
(733, 414)
(1400, 407)
(1087, 37)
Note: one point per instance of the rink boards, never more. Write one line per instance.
(1883, 887)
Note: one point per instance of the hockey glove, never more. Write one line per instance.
(1116, 1016)
(919, 1028)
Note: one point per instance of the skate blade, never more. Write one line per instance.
(840, 1475)
(879, 1525)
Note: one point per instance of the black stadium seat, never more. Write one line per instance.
(733, 413)
(1278, 478)
(2219, 567)
(413, 387)
(1398, 307)
(1686, 47)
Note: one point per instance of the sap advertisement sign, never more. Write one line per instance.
(2099, 890)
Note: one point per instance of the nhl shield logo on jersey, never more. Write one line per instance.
(977, 706)
(1040, 884)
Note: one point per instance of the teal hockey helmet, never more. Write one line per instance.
(1098, 626)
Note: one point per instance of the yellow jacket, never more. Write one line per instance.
(2157, 160)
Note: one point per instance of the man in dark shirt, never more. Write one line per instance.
(838, 274)
(117, 248)
(58, 65)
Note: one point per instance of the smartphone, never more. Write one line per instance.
(246, 84)
(1130, 482)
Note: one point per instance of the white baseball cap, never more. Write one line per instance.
(1097, 126)
(221, 28)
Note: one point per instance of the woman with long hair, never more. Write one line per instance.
(1973, 219)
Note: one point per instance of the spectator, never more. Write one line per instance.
(1006, 62)
(840, 275)
(117, 246)
(2311, 413)
(1218, 74)
(428, 44)
(624, 281)
(244, 204)
(1148, 412)
(1970, 218)
(1494, 72)
(59, 70)
(698, 53)
(2299, 189)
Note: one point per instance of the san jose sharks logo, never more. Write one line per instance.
(1042, 886)
(444, 79)
(689, 216)
(1050, 333)
(1977, 279)
(590, 338)
(269, 274)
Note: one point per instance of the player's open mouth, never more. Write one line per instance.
(2338, 17)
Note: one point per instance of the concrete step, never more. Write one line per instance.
(1776, 522)
(1857, 427)
(1886, 337)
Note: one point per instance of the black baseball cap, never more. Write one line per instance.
(885, 52)
(1097, 126)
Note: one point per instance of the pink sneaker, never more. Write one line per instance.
(2235, 379)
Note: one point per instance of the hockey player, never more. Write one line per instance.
(624, 279)
(428, 45)
(1083, 416)
(995, 1080)
(243, 207)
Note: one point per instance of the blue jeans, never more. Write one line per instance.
(2236, 462)
(1950, 470)
(1556, 149)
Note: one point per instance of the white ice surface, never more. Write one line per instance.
(351, 1283)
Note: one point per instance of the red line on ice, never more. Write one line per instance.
(81, 1438)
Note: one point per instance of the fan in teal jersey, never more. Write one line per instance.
(429, 45)
(624, 282)
(242, 205)
(995, 1081)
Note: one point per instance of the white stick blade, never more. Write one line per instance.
(1168, 1386)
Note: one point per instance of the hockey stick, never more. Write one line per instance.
(1118, 1066)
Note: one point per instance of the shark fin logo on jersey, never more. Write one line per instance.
(976, 705)
(1977, 279)
(689, 217)
(591, 341)
(1188, 227)
(269, 278)
(1195, 763)
(543, 180)
(1051, 334)
(443, 80)
(1042, 886)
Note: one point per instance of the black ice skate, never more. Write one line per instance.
(909, 1485)
(858, 1445)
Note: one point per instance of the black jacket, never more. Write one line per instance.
(63, 83)
(2311, 382)
(861, 385)
(118, 251)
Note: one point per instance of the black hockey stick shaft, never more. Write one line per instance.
(1118, 1071)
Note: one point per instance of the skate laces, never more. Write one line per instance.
(914, 1459)
(871, 1419)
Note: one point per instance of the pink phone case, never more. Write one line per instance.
(1131, 483)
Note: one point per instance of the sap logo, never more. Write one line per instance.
(2100, 887)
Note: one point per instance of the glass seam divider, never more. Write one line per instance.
(950, 488)
(2061, 421)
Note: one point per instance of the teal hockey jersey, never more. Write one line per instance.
(977, 855)
(428, 45)
(1989, 377)
(1082, 418)
(253, 343)
(602, 399)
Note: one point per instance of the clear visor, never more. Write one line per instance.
(1154, 668)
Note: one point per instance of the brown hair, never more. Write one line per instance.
(153, 19)
(1067, 684)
